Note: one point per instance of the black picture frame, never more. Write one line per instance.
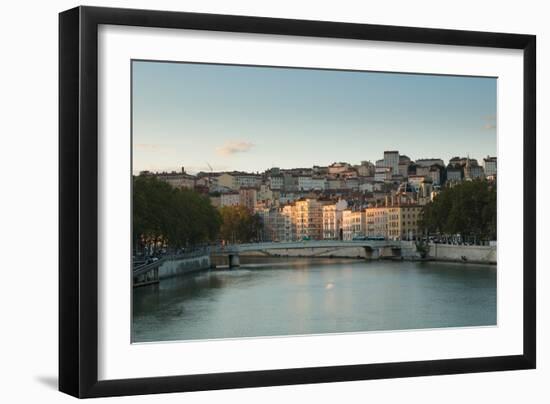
(78, 201)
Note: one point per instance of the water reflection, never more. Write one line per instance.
(268, 297)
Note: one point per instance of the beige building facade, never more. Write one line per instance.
(376, 222)
(397, 222)
(353, 224)
(248, 198)
(307, 217)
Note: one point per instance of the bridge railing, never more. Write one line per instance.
(235, 248)
(142, 269)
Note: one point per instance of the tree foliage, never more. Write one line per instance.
(177, 217)
(239, 225)
(468, 209)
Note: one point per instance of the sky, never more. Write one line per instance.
(252, 118)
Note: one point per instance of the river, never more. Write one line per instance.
(296, 296)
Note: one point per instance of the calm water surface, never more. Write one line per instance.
(310, 296)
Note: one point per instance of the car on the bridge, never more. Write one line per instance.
(359, 238)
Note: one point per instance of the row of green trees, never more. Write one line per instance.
(468, 209)
(177, 217)
(163, 215)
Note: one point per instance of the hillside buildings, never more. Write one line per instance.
(180, 180)
(340, 201)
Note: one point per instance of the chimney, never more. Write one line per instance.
(183, 170)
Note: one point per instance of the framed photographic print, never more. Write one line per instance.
(250, 201)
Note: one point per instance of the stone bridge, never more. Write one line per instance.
(370, 247)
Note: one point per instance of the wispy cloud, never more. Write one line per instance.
(233, 147)
(490, 122)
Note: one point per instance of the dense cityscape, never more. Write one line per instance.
(382, 200)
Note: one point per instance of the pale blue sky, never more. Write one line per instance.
(253, 118)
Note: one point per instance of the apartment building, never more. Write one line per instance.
(394, 222)
(353, 224)
(307, 217)
(332, 220)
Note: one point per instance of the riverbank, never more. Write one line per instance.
(463, 253)
(182, 266)
(436, 252)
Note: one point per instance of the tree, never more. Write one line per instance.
(467, 209)
(239, 225)
(175, 217)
